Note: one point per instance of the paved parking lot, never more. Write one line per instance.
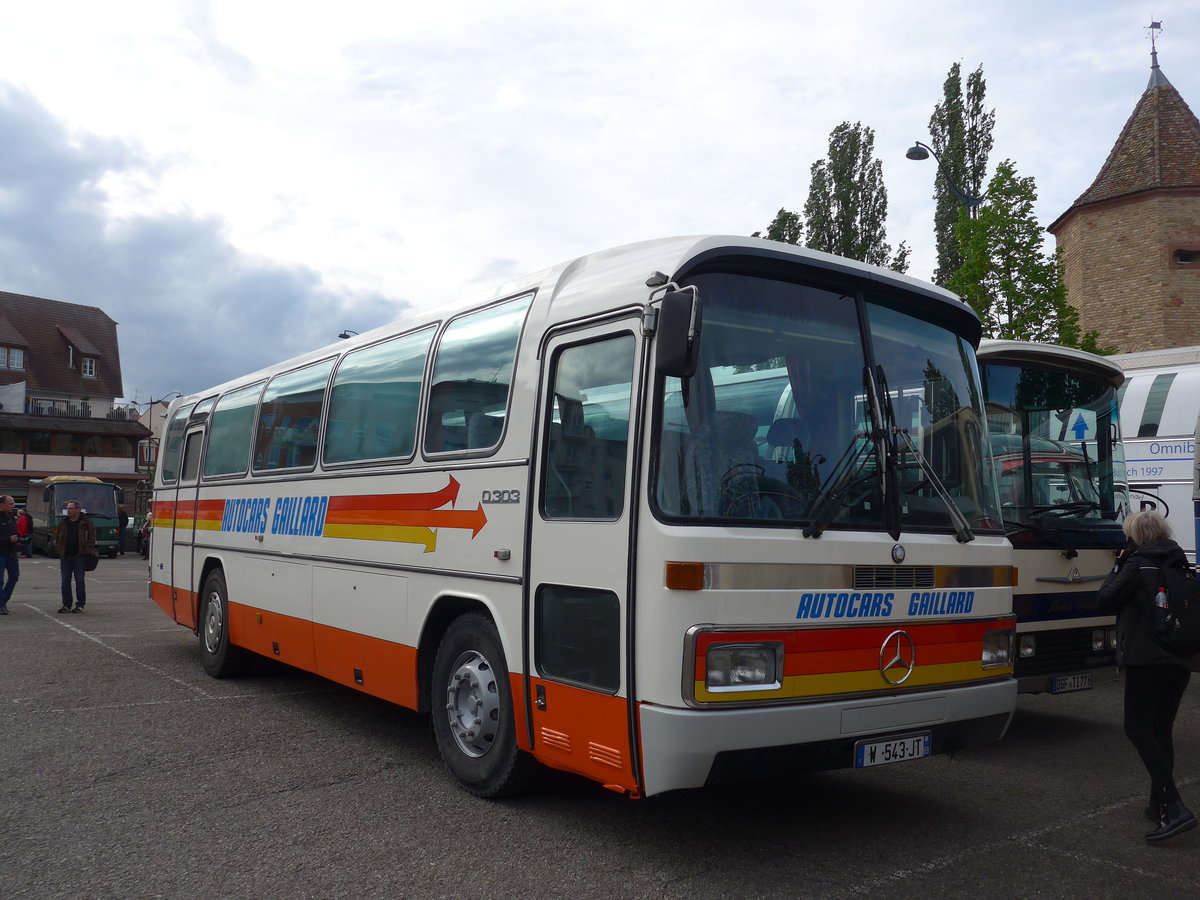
(129, 773)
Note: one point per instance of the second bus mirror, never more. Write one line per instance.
(678, 334)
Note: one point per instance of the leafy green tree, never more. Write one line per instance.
(786, 227)
(1007, 277)
(846, 209)
(960, 132)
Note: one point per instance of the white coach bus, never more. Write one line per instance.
(556, 520)
(1056, 445)
(1159, 406)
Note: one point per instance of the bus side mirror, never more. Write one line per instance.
(120, 493)
(679, 333)
(46, 494)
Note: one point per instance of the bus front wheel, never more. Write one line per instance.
(473, 720)
(220, 658)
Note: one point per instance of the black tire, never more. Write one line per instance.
(473, 720)
(220, 658)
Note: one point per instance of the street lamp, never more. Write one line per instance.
(345, 334)
(924, 151)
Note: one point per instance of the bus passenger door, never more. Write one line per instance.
(183, 535)
(579, 710)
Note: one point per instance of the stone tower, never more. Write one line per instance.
(1131, 241)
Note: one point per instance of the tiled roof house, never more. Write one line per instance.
(60, 371)
(1131, 241)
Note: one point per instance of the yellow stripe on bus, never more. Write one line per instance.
(403, 534)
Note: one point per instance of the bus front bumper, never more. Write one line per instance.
(687, 748)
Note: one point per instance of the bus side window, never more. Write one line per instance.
(472, 372)
(173, 444)
(588, 435)
(230, 432)
(287, 424)
(373, 400)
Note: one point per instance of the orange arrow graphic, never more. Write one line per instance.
(433, 500)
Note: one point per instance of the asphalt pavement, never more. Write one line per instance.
(127, 772)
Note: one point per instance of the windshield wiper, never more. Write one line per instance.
(961, 527)
(844, 474)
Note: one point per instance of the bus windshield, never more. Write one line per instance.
(795, 417)
(1058, 458)
(99, 501)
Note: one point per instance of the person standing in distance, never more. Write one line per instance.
(1154, 679)
(10, 562)
(75, 542)
(25, 533)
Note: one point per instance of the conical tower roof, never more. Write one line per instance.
(1159, 147)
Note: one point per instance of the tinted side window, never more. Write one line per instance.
(230, 431)
(468, 396)
(373, 402)
(290, 417)
(588, 432)
(172, 444)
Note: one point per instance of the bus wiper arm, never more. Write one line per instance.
(962, 528)
(843, 475)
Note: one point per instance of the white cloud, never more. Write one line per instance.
(411, 151)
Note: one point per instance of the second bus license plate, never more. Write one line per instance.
(878, 753)
(1062, 684)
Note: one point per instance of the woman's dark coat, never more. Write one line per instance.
(1129, 592)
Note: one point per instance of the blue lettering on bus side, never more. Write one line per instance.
(299, 516)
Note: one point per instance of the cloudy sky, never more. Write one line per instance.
(236, 181)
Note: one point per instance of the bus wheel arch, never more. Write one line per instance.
(220, 658)
(474, 717)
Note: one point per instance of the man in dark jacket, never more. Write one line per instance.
(1154, 679)
(10, 563)
(75, 542)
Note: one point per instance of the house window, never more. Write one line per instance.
(1188, 258)
(89, 367)
(16, 358)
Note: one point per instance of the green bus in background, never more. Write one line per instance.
(97, 499)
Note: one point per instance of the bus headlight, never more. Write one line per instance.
(997, 648)
(1028, 646)
(743, 667)
(1097, 639)
(1112, 638)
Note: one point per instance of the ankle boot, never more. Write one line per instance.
(1176, 819)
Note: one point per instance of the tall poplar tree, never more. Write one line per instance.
(846, 209)
(1006, 275)
(960, 132)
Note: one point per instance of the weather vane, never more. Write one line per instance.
(1153, 29)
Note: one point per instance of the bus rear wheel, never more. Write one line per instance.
(220, 658)
(473, 719)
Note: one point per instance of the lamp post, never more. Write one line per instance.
(920, 151)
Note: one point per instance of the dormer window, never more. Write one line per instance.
(12, 358)
(88, 367)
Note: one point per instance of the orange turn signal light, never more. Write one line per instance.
(685, 576)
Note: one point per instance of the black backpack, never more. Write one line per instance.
(1177, 623)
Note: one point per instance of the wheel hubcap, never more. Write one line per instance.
(473, 704)
(214, 623)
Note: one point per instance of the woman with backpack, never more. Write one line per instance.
(1154, 679)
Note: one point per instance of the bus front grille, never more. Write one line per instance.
(877, 578)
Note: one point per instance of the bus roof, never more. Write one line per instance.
(615, 278)
(66, 479)
(1161, 396)
(1054, 355)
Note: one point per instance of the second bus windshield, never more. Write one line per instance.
(1053, 437)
